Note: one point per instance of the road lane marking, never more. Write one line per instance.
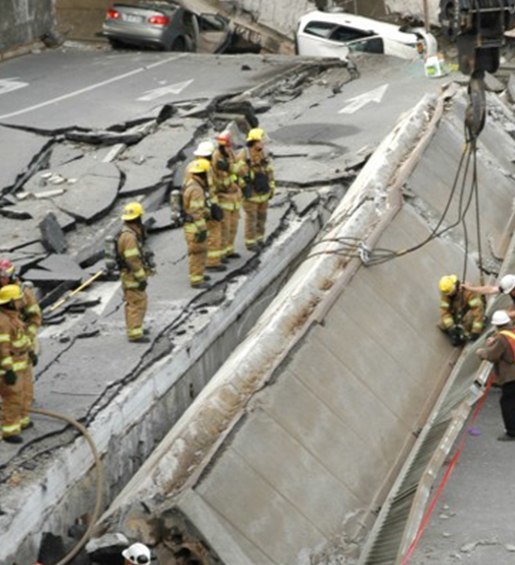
(356, 103)
(91, 87)
(11, 84)
(164, 90)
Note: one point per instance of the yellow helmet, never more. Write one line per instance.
(10, 292)
(132, 211)
(256, 134)
(199, 166)
(448, 283)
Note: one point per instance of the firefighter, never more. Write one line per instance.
(257, 174)
(136, 554)
(462, 311)
(505, 286)
(500, 350)
(31, 316)
(15, 345)
(229, 192)
(30, 312)
(215, 253)
(134, 270)
(195, 225)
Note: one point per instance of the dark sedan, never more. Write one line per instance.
(165, 25)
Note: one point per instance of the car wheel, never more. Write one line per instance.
(115, 43)
(178, 45)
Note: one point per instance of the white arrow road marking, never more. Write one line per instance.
(356, 103)
(164, 90)
(10, 84)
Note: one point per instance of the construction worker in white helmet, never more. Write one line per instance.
(228, 192)
(136, 554)
(196, 213)
(500, 350)
(134, 270)
(15, 345)
(258, 185)
(505, 286)
(215, 254)
(462, 311)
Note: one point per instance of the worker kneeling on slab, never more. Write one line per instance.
(500, 350)
(15, 369)
(462, 311)
(134, 270)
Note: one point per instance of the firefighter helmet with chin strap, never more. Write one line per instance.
(448, 283)
(132, 211)
(10, 292)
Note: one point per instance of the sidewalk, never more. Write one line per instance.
(473, 520)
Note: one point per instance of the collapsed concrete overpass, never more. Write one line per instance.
(291, 450)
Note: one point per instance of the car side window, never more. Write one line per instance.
(319, 29)
(343, 34)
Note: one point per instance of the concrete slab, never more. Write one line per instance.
(22, 147)
(141, 178)
(98, 189)
(52, 235)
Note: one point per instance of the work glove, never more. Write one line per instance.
(474, 337)
(201, 236)
(10, 377)
(33, 358)
(142, 285)
(457, 335)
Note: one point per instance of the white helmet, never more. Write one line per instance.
(204, 149)
(500, 318)
(137, 553)
(507, 283)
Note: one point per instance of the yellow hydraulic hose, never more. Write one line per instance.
(99, 479)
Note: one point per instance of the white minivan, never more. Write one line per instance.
(336, 34)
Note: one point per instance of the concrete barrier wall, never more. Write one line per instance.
(23, 21)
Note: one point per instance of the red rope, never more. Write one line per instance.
(446, 476)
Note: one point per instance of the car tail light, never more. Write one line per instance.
(159, 20)
(113, 14)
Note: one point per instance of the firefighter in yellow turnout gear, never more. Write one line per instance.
(30, 313)
(134, 270)
(15, 346)
(258, 183)
(228, 192)
(195, 214)
(462, 311)
(215, 254)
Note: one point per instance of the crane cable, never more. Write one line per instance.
(99, 475)
(351, 247)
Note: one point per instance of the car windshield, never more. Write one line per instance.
(320, 29)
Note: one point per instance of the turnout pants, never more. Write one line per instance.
(135, 309)
(229, 230)
(27, 390)
(197, 254)
(12, 406)
(255, 220)
(507, 402)
(214, 243)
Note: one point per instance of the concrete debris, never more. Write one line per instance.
(143, 177)
(159, 220)
(108, 545)
(511, 87)
(98, 192)
(52, 235)
(470, 547)
(54, 269)
(509, 547)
